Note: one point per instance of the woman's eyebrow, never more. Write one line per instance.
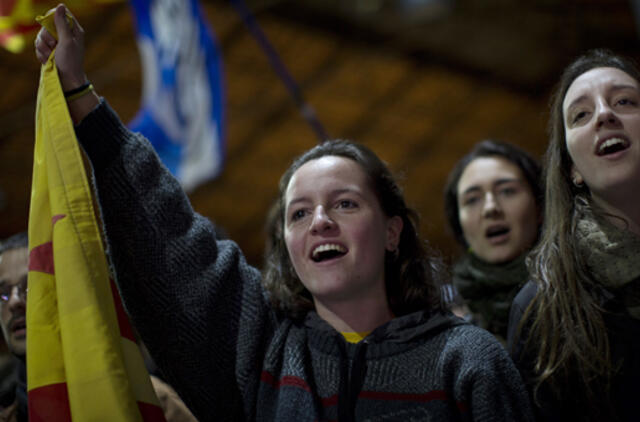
(577, 101)
(470, 189)
(296, 201)
(334, 192)
(501, 181)
(620, 87)
(506, 180)
(614, 88)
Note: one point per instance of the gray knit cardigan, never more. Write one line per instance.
(202, 312)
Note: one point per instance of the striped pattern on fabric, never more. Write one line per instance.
(17, 19)
(82, 358)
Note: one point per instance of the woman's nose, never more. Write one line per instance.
(491, 206)
(606, 116)
(321, 221)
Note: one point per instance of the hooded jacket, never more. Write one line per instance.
(204, 316)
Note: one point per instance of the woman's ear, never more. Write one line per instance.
(576, 177)
(394, 229)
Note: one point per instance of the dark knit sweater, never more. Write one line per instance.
(203, 314)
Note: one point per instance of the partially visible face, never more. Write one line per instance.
(497, 210)
(13, 305)
(601, 112)
(336, 232)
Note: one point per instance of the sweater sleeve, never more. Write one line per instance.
(488, 387)
(199, 307)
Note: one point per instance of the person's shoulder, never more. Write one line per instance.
(467, 330)
(471, 351)
(525, 295)
(471, 340)
(449, 333)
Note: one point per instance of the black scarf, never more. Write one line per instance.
(489, 289)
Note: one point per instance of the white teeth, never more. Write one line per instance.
(328, 247)
(610, 142)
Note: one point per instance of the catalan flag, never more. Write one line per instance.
(82, 361)
(17, 18)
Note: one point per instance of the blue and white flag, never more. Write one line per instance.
(182, 111)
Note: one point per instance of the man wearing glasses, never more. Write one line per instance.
(14, 266)
(14, 259)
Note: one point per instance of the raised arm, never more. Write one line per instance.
(69, 61)
(199, 307)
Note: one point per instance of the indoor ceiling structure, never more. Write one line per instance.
(419, 81)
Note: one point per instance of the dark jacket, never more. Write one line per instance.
(624, 343)
(13, 400)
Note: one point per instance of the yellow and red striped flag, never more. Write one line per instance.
(82, 360)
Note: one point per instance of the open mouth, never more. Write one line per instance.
(327, 252)
(611, 146)
(19, 325)
(495, 231)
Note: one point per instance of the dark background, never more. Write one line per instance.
(419, 81)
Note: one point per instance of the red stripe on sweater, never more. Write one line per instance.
(286, 381)
(372, 395)
(151, 412)
(49, 403)
(329, 401)
(267, 378)
(462, 406)
(123, 320)
(421, 398)
(382, 395)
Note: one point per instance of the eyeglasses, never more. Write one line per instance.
(6, 290)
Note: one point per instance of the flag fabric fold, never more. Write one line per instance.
(83, 362)
(182, 110)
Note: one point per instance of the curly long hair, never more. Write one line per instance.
(528, 165)
(567, 330)
(413, 276)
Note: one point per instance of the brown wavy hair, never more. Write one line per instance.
(567, 333)
(413, 276)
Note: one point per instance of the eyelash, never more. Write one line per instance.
(504, 191)
(470, 201)
(297, 214)
(621, 102)
(349, 203)
(578, 116)
(343, 203)
(627, 101)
